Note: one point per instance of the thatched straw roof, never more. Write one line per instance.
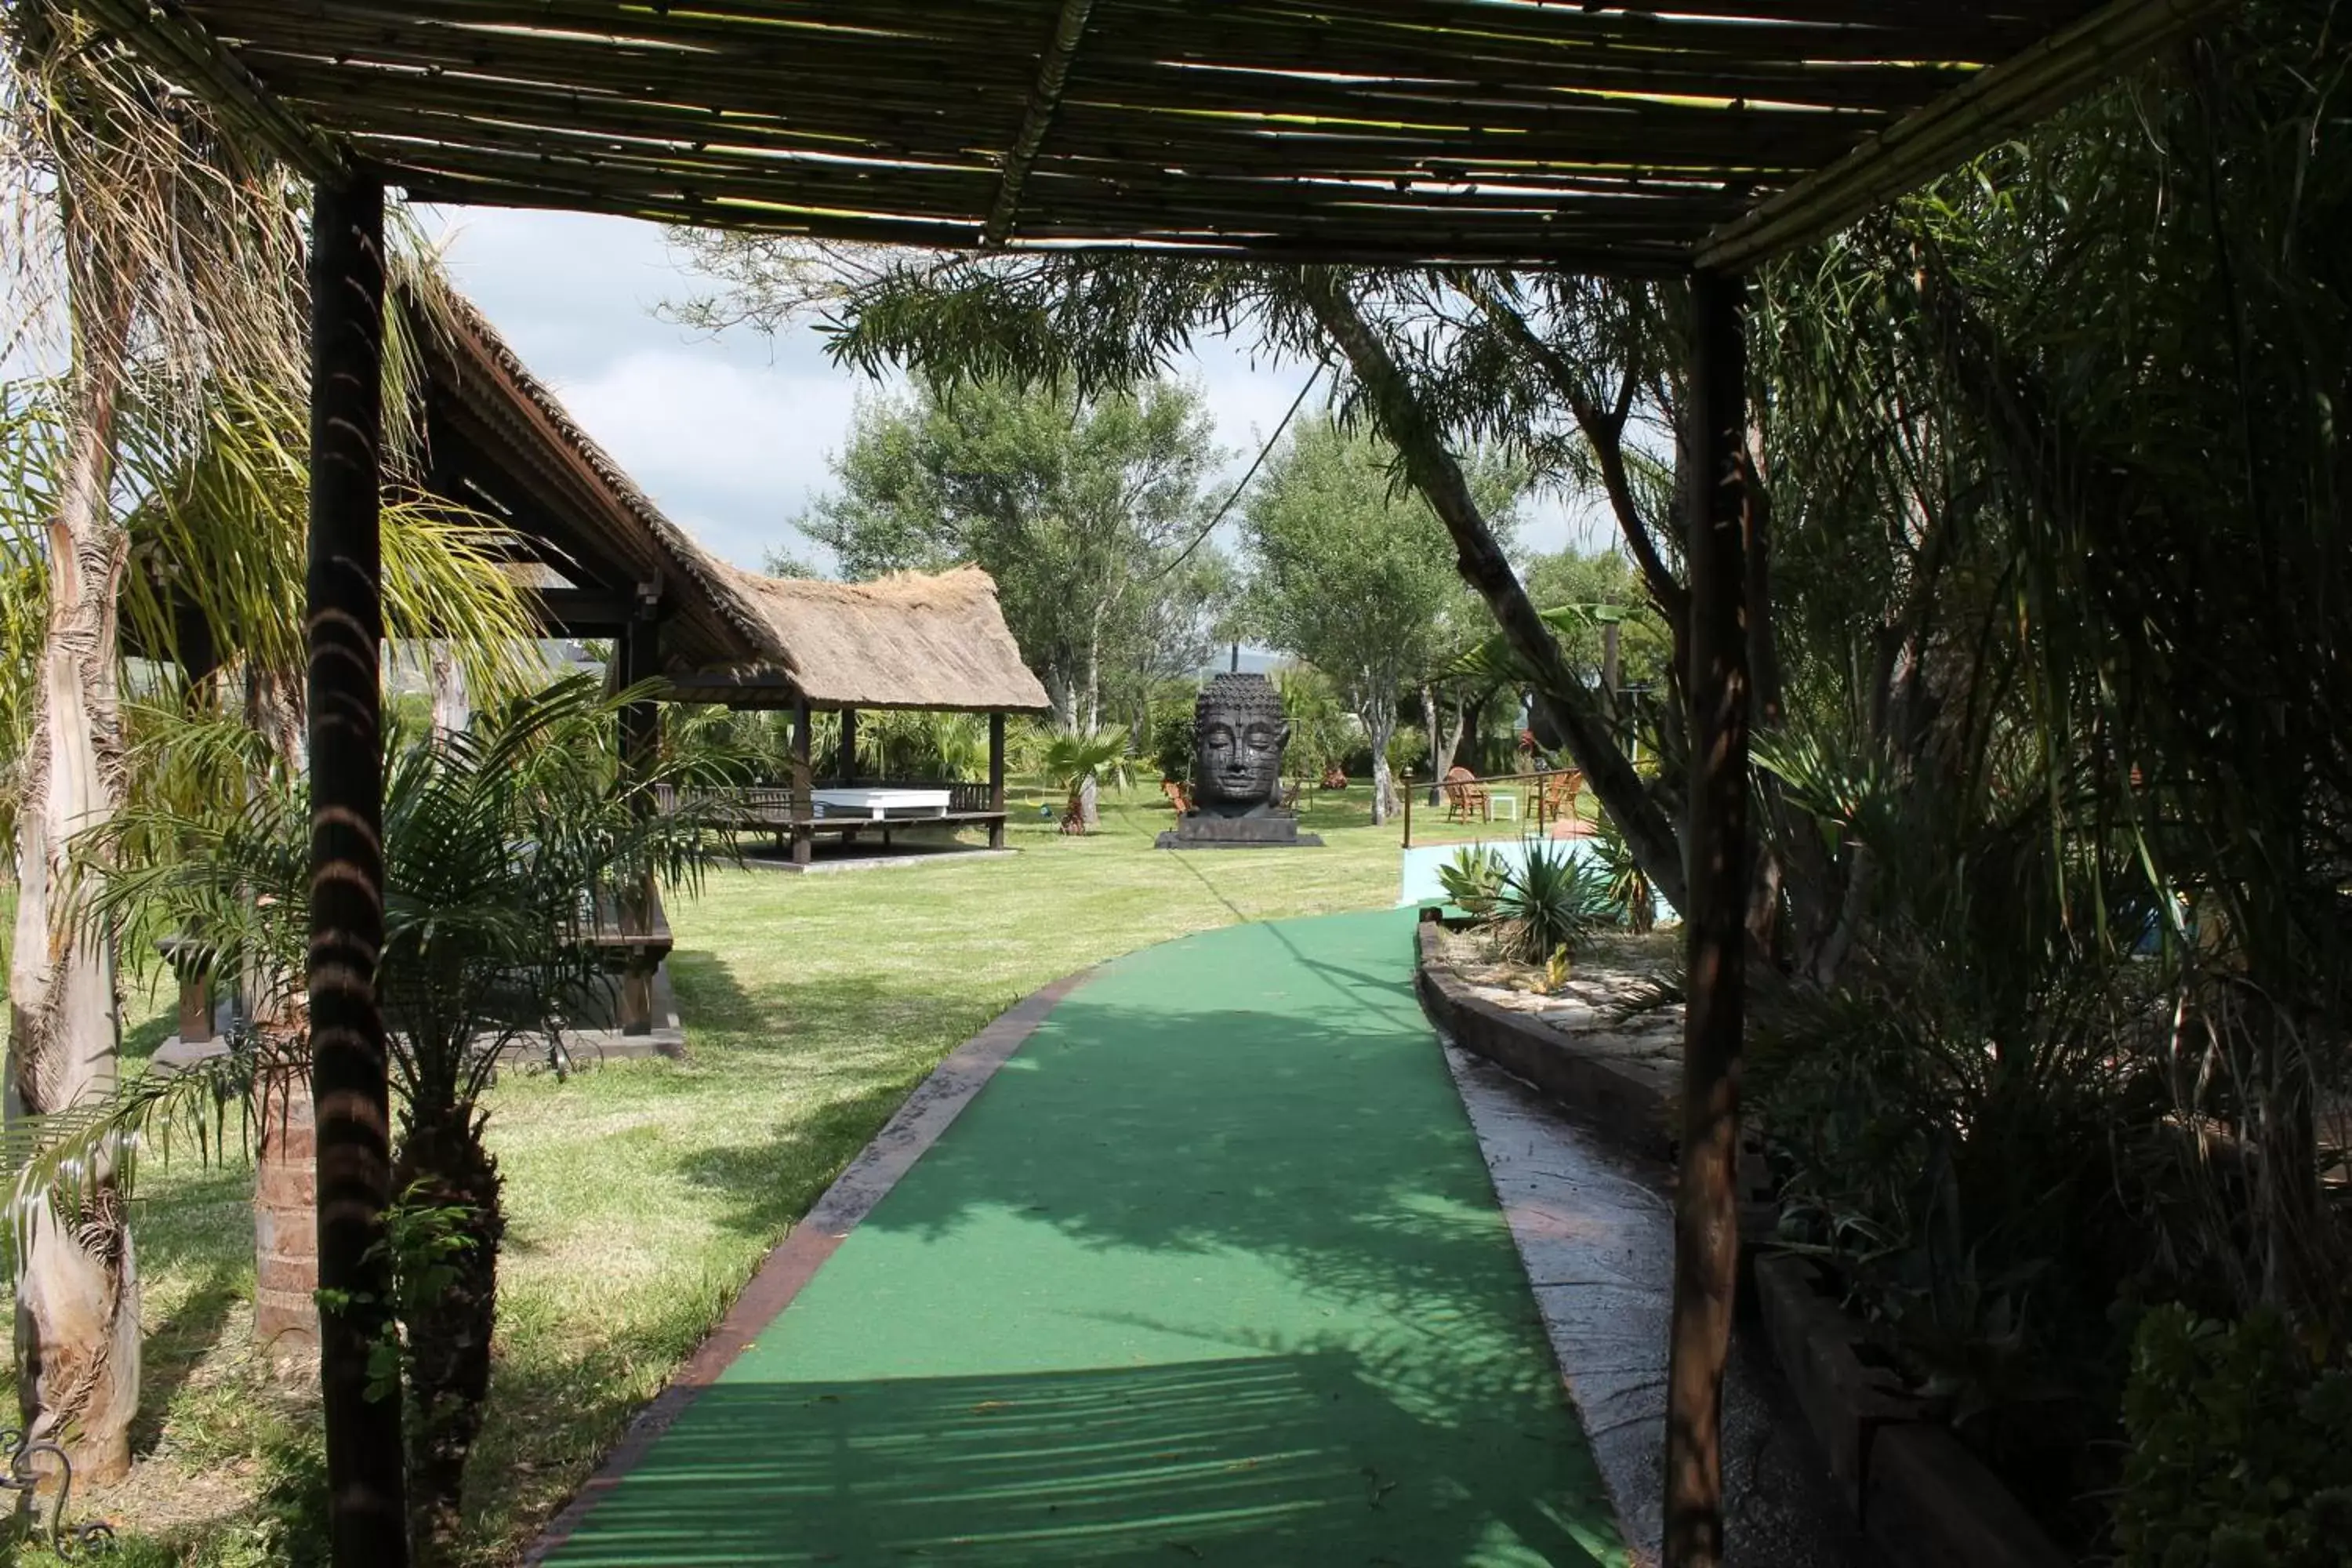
(507, 440)
(932, 641)
(595, 542)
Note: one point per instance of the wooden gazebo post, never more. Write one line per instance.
(640, 738)
(803, 782)
(349, 1068)
(1717, 868)
(846, 769)
(997, 779)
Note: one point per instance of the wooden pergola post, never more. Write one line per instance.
(803, 780)
(847, 763)
(996, 780)
(639, 650)
(1718, 868)
(367, 1505)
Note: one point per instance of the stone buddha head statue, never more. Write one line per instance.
(1239, 733)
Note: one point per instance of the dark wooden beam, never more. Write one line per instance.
(1706, 1214)
(639, 651)
(367, 1510)
(845, 764)
(1044, 99)
(585, 613)
(1956, 126)
(803, 780)
(997, 779)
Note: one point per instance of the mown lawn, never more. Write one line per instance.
(642, 1193)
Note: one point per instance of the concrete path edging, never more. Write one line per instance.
(793, 1262)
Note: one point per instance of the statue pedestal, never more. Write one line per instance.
(1273, 830)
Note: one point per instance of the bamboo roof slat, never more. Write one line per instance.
(1403, 131)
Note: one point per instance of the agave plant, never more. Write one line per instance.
(1550, 901)
(1473, 879)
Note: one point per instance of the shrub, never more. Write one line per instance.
(2241, 1448)
(1173, 740)
(1551, 900)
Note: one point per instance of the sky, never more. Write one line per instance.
(731, 435)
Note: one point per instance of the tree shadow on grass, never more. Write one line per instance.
(174, 1349)
(768, 1186)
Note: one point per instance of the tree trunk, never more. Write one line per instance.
(450, 710)
(285, 1201)
(1379, 723)
(1093, 711)
(1441, 750)
(1722, 528)
(1410, 427)
(1089, 804)
(77, 1303)
(443, 1167)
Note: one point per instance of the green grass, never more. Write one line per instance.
(642, 1195)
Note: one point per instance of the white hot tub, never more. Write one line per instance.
(879, 805)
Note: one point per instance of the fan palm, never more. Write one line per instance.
(1077, 762)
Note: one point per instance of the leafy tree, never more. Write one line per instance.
(1599, 579)
(1356, 577)
(1086, 512)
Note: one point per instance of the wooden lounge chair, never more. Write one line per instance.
(1179, 795)
(1558, 802)
(1465, 793)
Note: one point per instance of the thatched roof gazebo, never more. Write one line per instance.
(1694, 141)
(604, 562)
(933, 642)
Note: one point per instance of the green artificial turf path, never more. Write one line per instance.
(1210, 1272)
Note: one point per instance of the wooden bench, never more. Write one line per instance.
(777, 809)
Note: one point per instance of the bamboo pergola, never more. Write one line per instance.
(1605, 137)
(1692, 142)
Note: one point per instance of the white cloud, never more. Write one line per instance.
(731, 435)
(732, 453)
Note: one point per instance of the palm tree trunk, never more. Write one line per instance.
(1443, 742)
(443, 1167)
(77, 1305)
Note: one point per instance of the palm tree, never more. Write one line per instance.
(158, 259)
(160, 271)
(1077, 762)
(505, 847)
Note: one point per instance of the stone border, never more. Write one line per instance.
(1628, 1111)
(793, 1261)
(1922, 1497)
